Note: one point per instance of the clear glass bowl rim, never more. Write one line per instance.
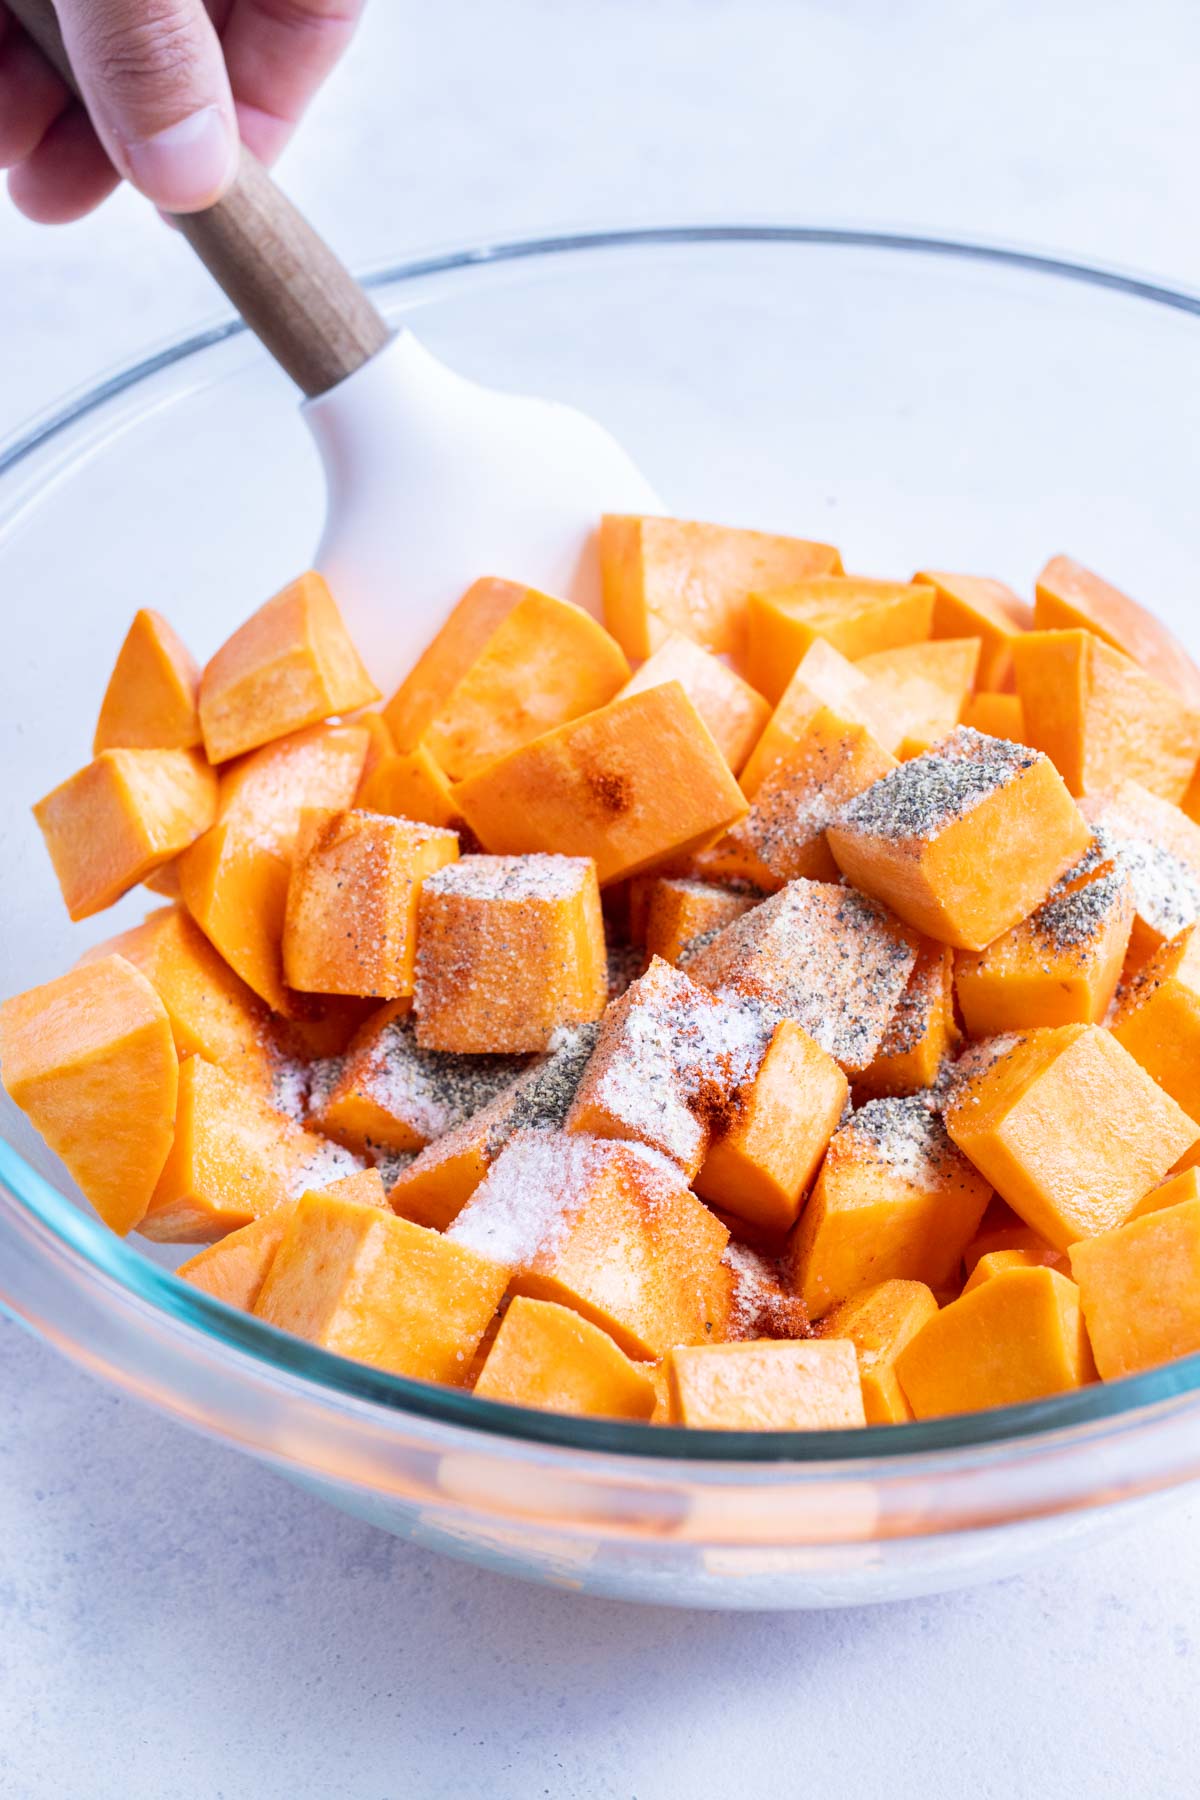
(65, 1230)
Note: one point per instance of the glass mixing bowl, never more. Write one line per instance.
(917, 402)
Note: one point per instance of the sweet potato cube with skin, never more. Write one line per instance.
(1101, 719)
(669, 1058)
(234, 1158)
(894, 1201)
(663, 576)
(263, 794)
(1072, 597)
(762, 1165)
(1061, 965)
(964, 841)
(350, 925)
(681, 915)
(212, 1012)
(1140, 1289)
(547, 1356)
(113, 822)
(632, 785)
(811, 1386)
(388, 1093)
(826, 957)
(879, 1323)
(729, 706)
(609, 1229)
(237, 894)
(1018, 1337)
(1159, 849)
(408, 784)
(376, 1288)
(234, 1268)
(90, 1060)
(1069, 1130)
(783, 834)
(926, 686)
(854, 614)
(822, 678)
(510, 950)
(996, 715)
(150, 700)
(291, 664)
(974, 606)
(521, 663)
(1157, 1019)
(921, 1034)
(437, 1184)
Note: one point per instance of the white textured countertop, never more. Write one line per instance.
(177, 1624)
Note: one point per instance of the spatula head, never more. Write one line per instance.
(434, 481)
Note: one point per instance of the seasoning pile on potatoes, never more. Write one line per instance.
(777, 1010)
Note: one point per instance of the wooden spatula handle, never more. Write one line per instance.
(285, 281)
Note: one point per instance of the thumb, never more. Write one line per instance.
(153, 78)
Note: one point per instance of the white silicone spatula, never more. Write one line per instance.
(432, 479)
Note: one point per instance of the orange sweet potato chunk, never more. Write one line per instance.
(1173, 1190)
(91, 1060)
(381, 1290)
(1101, 719)
(925, 687)
(125, 814)
(681, 914)
(825, 956)
(1018, 1337)
(1061, 965)
(631, 785)
(854, 614)
(408, 784)
(517, 664)
(1069, 1130)
(975, 606)
(389, 1094)
(150, 700)
(547, 1356)
(1157, 1019)
(895, 1200)
(212, 1012)
(964, 841)
(263, 793)
(350, 925)
(291, 664)
(783, 835)
(996, 715)
(672, 575)
(610, 1229)
(998, 1262)
(237, 894)
(234, 1158)
(729, 706)
(437, 1184)
(1159, 849)
(1000, 1230)
(880, 1322)
(1140, 1289)
(669, 1059)
(922, 1033)
(822, 678)
(234, 1268)
(510, 950)
(1070, 596)
(762, 1165)
(811, 1386)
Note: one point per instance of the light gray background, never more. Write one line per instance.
(176, 1624)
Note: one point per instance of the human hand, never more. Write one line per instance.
(168, 86)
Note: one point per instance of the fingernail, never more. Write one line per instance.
(187, 166)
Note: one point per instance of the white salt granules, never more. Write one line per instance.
(510, 878)
(327, 1163)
